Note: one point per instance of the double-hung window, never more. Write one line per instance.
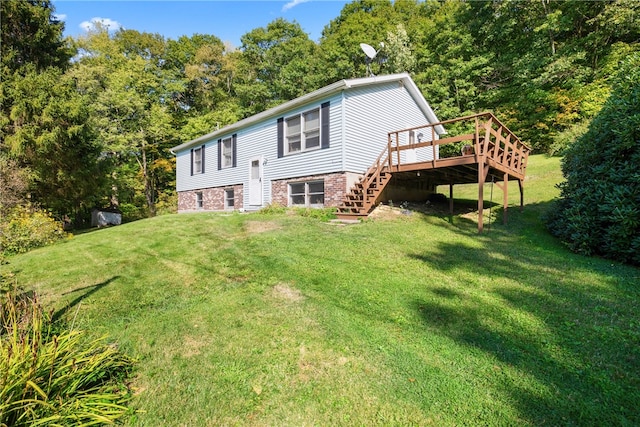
(309, 193)
(227, 153)
(199, 200)
(197, 160)
(303, 132)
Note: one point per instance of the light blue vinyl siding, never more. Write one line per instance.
(370, 114)
(261, 140)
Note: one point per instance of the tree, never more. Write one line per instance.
(275, 66)
(361, 21)
(133, 98)
(599, 209)
(53, 140)
(398, 51)
(31, 34)
(44, 121)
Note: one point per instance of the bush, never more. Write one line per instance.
(599, 209)
(25, 228)
(55, 379)
(323, 214)
(273, 208)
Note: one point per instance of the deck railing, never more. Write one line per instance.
(488, 140)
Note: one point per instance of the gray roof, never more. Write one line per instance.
(324, 92)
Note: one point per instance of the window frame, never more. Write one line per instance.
(199, 200)
(227, 153)
(197, 160)
(304, 135)
(229, 202)
(307, 194)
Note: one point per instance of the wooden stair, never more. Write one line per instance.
(364, 195)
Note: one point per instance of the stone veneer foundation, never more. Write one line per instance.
(336, 186)
(212, 199)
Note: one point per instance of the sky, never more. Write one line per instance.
(228, 20)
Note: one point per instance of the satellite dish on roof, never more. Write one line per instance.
(368, 50)
(371, 53)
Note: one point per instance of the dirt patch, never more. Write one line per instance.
(254, 227)
(284, 292)
(191, 346)
(386, 212)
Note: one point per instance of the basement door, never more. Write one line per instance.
(255, 182)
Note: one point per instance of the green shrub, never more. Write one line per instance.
(323, 214)
(25, 228)
(167, 203)
(599, 209)
(49, 378)
(563, 140)
(131, 212)
(273, 208)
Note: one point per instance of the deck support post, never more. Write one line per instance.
(505, 200)
(481, 177)
(520, 184)
(451, 199)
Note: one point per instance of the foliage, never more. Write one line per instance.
(324, 214)
(55, 377)
(599, 209)
(31, 34)
(274, 66)
(24, 228)
(49, 134)
(13, 184)
(273, 208)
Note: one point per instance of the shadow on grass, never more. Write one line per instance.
(88, 291)
(567, 322)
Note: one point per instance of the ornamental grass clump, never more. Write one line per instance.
(56, 377)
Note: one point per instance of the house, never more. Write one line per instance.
(309, 151)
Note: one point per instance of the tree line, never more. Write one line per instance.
(89, 121)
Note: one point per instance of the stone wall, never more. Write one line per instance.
(212, 199)
(335, 187)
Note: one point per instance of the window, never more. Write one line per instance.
(229, 199)
(197, 160)
(303, 132)
(227, 153)
(199, 200)
(307, 194)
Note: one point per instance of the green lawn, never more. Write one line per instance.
(279, 319)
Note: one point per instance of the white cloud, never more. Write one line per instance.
(60, 16)
(97, 22)
(292, 4)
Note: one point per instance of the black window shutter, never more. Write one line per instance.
(324, 123)
(192, 161)
(234, 139)
(202, 159)
(280, 137)
(219, 154)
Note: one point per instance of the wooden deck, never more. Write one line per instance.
(490, 150)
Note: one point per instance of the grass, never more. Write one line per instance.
(281, 319)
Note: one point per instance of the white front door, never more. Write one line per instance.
(255, 181)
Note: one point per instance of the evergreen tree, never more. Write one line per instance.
(599, 209)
